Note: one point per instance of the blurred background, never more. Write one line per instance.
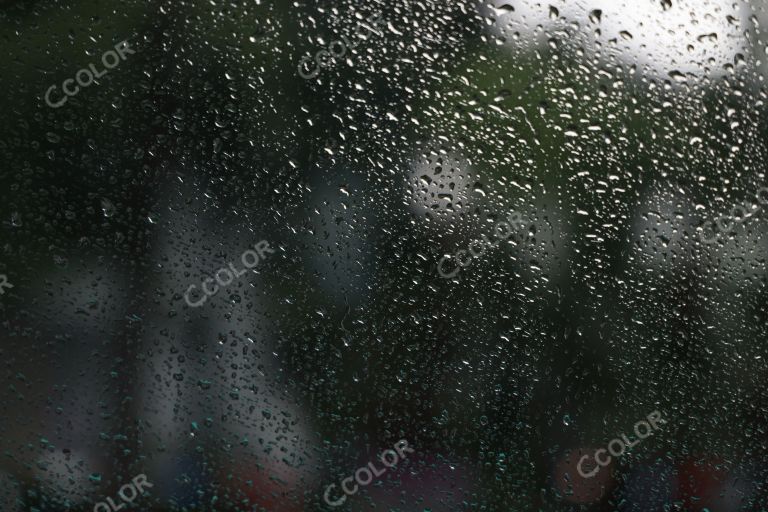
(615, 128)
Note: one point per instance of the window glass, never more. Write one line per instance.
(393, 255)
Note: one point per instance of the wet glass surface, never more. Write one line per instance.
(412, 256)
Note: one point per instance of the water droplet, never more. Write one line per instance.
(107, 207)
(501, 95)
(60, 261)
(677, 76)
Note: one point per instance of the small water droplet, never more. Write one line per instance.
(107, 207)
(677, 76)
(501, 95)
